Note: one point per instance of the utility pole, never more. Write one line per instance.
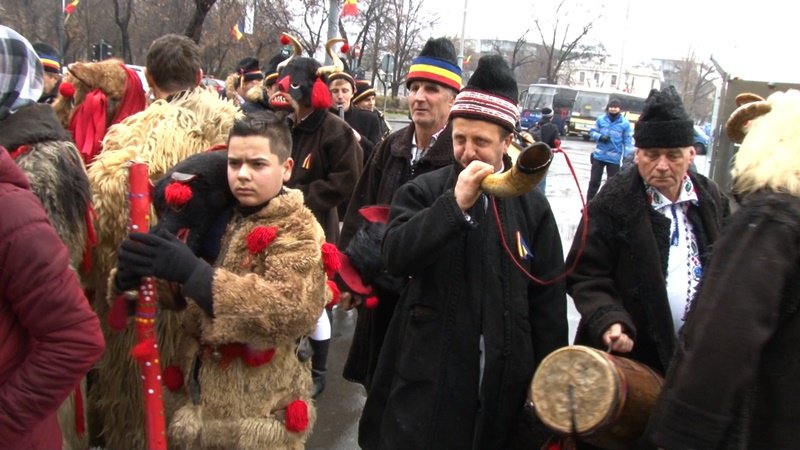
(333, 24)
(463, 38)
(622, 53)
(61, 33)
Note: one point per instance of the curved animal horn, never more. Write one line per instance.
(337, 65)
(748, 97)
(735, 126)
(531, 166)
(297, 50)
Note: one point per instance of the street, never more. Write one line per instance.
(339, 407)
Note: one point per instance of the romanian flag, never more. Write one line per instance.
(307, 162)
(350, 8)
(237, 30)
(522, 248)
(467, 59)
(69, 9)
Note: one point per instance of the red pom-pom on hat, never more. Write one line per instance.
(178, 194)
(297, 416)
(330, 258)
(345, 48)
(66, 89)
(371, 302)
(335, 293)
(320, 95)
(172, 378)
(285, 39)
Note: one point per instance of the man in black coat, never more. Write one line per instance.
(470, 327)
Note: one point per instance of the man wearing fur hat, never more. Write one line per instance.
(328, 163)
(423, 146)
(258, 97)
(733, 380)
(470, 328)
(651, 231)
(247, 76)
(185, 119)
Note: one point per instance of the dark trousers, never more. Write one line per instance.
(597, 175)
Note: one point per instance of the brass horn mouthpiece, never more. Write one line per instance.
(529, 169)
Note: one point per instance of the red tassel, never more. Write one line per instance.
(297, 416)
(255, 358)
(320, 95)
(172, 377)
(178, 194)
(371, 302)
(260, 238)
(330, 258)
(117, 317)
(144, 350)
(91, 239)
(66, 89)
(345, 48)
(80, 424)
(335, 293)
(285, 39)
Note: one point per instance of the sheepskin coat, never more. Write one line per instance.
(265, 298)
(162, 135)
(55, 170)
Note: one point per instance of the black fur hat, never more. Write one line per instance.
(248, 69)
(493, 77)
(436, 62)
(664, 123)
(271, 69)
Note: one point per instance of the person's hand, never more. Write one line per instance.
(125, 279)
(604, 139)
(616, 340)
(160, 255)
(348, 301)
(468, 185)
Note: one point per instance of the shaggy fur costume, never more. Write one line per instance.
(266, 300)
(162, 135)
(107, 75)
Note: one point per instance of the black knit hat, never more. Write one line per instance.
(49, 57)
(664, 123)
(491, 94)
(437, 63)
(248, 69)
(271, 69)
(364, 90)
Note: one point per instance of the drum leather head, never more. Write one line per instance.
(577, 382)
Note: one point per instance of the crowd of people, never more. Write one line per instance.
(292, 194)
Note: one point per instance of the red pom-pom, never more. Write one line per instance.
(371, 302)
(178, 194)
(255, 358)
(330, 258)
(320, 95)
(297, 416)
(117, 317)
(172, 378)
(345, 48)
(66, 89)
(144, 350)
(335, 293)
(260, 238)
(285, 39)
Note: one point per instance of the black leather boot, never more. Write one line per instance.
(318, 363)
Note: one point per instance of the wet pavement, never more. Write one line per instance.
(339, 406)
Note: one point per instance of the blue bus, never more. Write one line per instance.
(561, 99)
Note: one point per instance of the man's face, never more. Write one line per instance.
(479, 140)
(430, 104)
(255, 175)
(613, 110)
(367, 104)
(664, 168)
(341, 92)
(246, 85)
(50, 81)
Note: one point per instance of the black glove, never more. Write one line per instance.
(125, 279)
(158, 255)
(604, 139)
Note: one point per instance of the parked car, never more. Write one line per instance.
(701, 141)
(214, 84)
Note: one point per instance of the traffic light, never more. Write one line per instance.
(102, 50)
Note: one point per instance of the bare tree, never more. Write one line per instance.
(695, 79)
(195, 27)
(122, 17)
(404, 26)
(561, 41)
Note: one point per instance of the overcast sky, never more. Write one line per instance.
(653, 29)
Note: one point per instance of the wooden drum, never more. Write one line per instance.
(602, 399)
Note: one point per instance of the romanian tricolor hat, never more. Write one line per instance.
(49, 58)
(490, 95)
(437, 63)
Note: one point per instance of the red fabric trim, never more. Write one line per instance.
(375, 213)
(216, 147)
(88, 124)
(21, 150)
(133, 99)
(80, 424)
(91, 239)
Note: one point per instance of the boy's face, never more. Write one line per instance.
(342, 93)
(255, 175)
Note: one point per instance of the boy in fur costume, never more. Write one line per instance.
(733, 380)
(183, 120)
(245, 314)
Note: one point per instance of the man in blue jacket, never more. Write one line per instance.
(612, 131)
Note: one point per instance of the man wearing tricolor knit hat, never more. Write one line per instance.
(51, 63)
(470, 328)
